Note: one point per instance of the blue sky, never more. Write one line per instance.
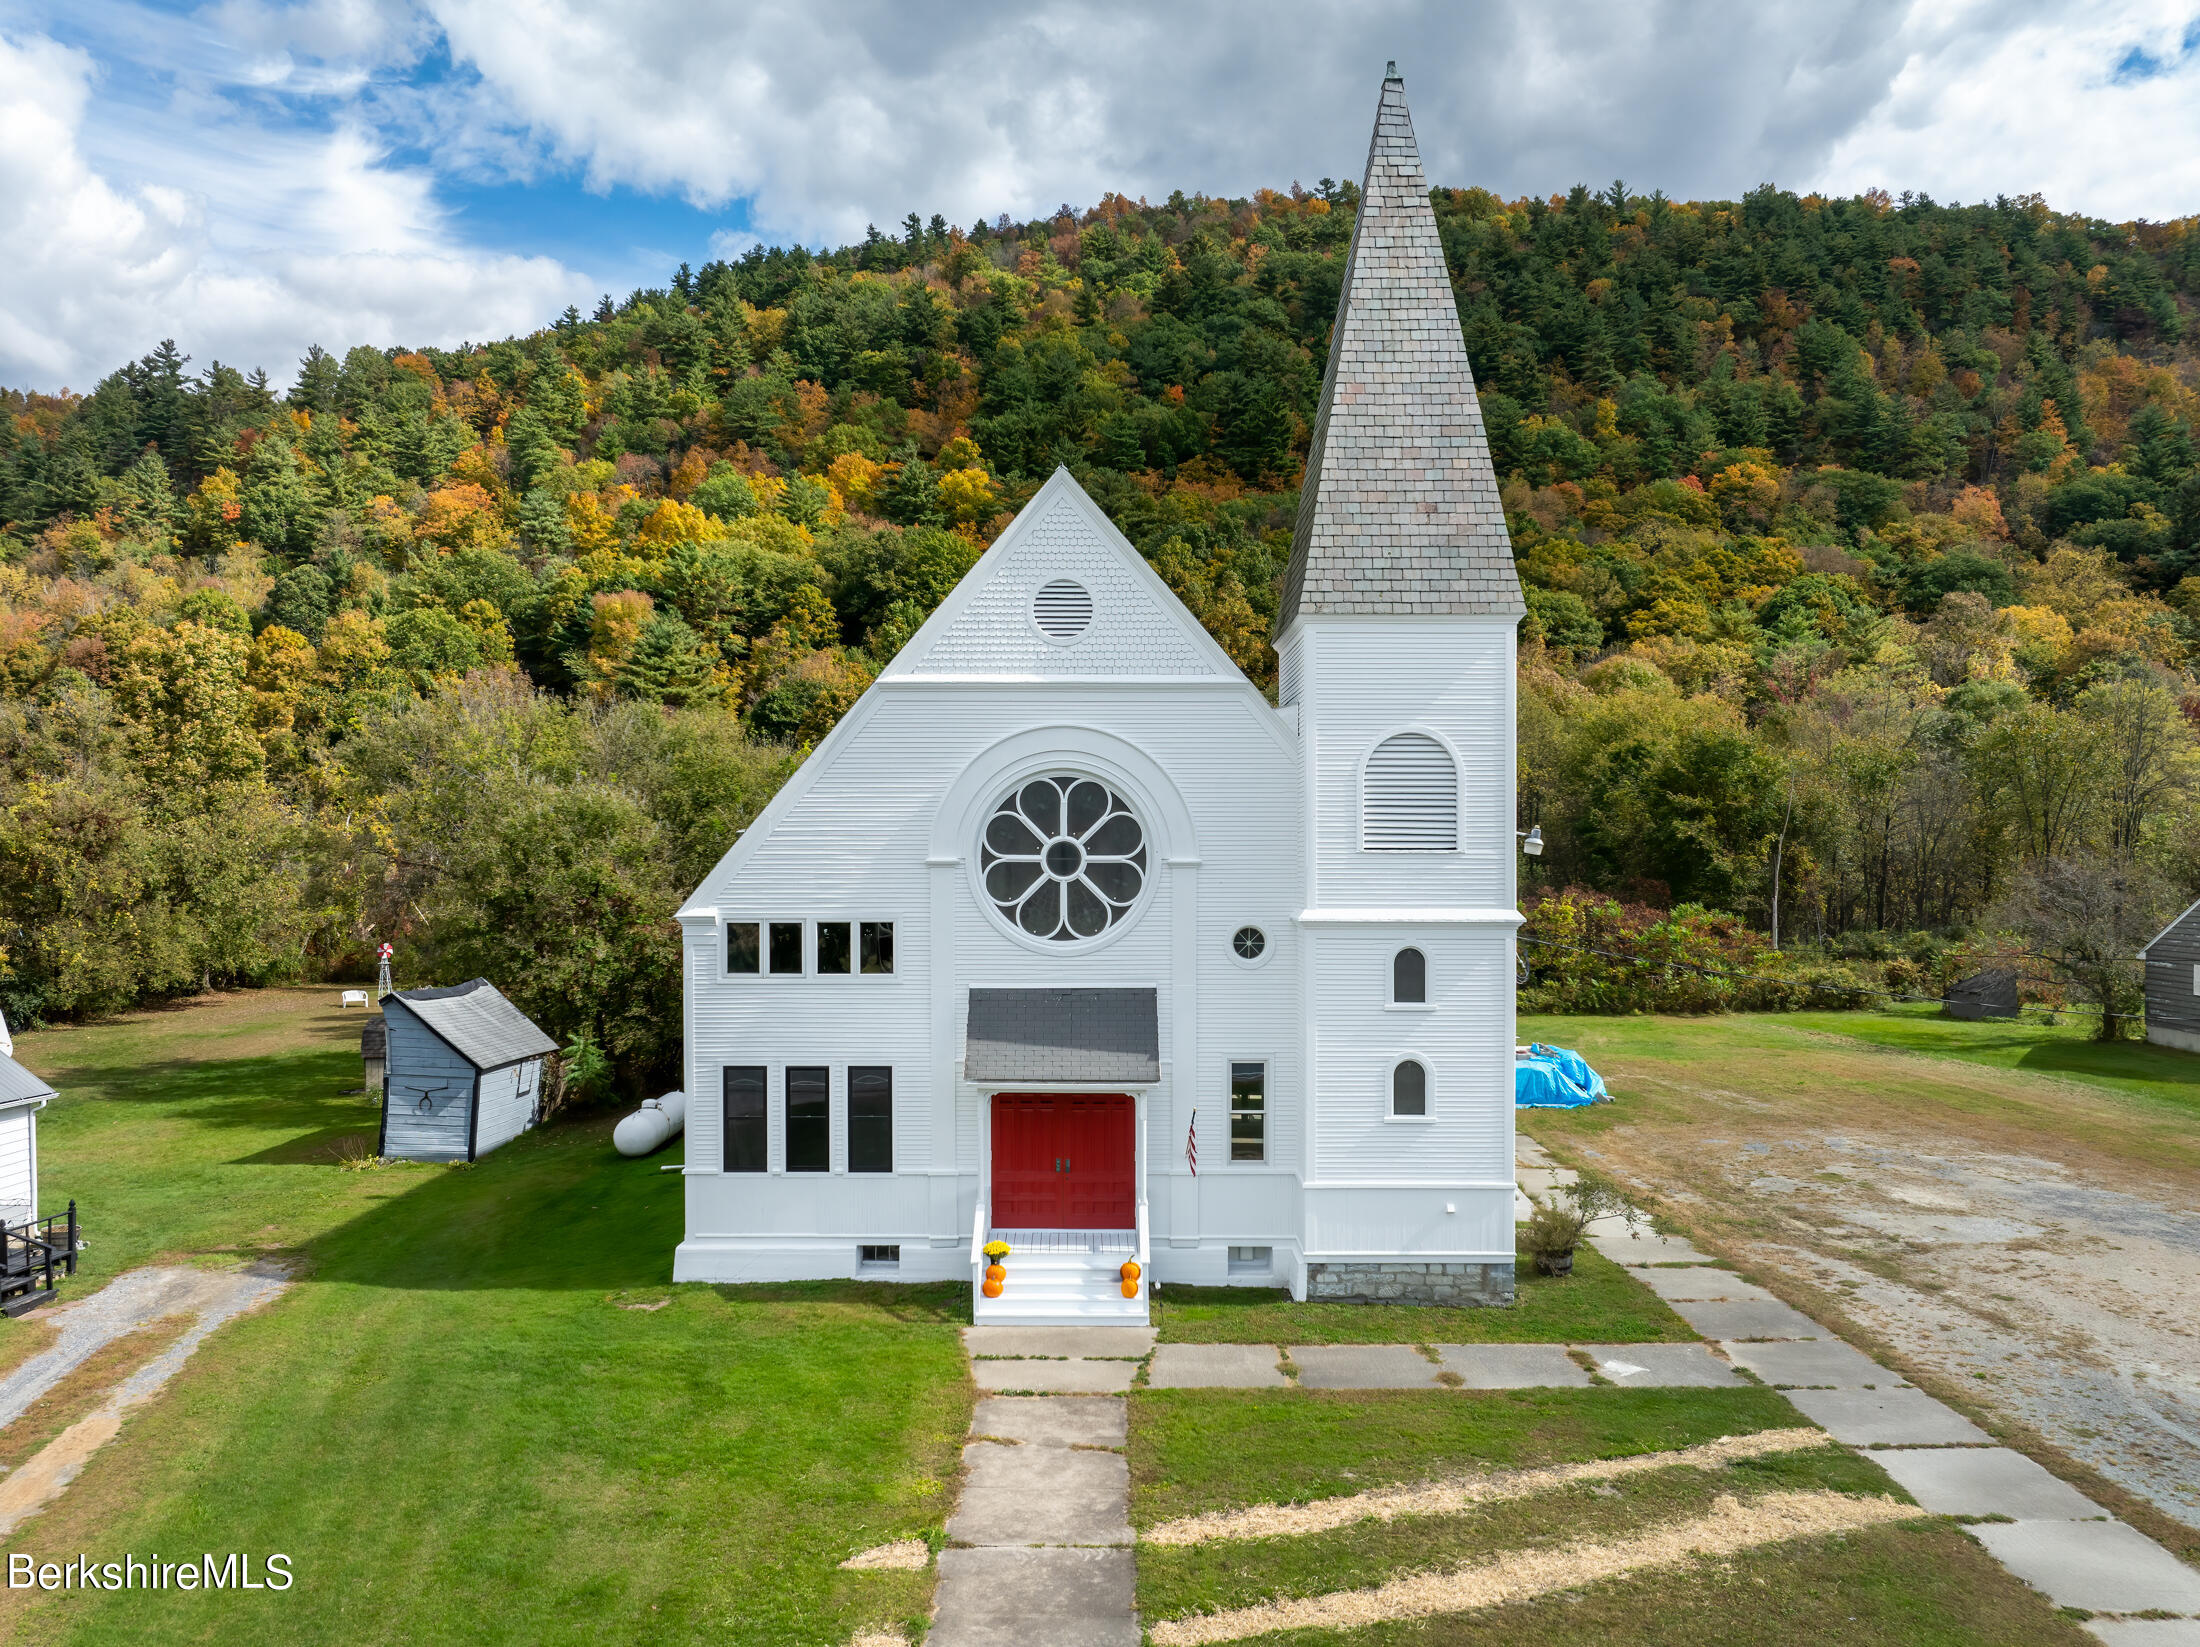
(250, 176)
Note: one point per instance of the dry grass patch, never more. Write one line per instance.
(86, 1387)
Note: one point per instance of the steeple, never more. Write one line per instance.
(1398, 513)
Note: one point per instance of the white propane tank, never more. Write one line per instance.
(653, 1125)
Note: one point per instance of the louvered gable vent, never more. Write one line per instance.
(1063, 610)
(1411, 803)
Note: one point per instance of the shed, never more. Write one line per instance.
(2173, 983)
(1988, 994)
(462, 1072)
(22, 1096)
(374, 1041)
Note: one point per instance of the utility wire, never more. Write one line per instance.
(1771, 978)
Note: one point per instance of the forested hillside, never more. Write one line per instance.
(1860, 539)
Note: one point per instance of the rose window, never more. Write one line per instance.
(1064, 858)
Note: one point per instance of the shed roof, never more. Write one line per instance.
(1398, 513)
(1064, 1036)
(18, 1085)
(374, 1037)
(479, 1024)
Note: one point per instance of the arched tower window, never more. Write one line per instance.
(1410, 801)
(1409, 1089)
(1409, 977)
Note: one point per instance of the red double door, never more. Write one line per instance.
(1064, 1161)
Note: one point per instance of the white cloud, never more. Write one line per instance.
(259, 244)
(229, 176)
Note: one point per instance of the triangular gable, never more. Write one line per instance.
(2172, 927)
(984, 630)
(1079, 541)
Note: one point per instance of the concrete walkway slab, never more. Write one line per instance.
(1984, 1481)
(1016, 1598)
(1362, 1367)
(1748, 1319)
(2145, 1632)
(1702, 1281)
(1056, 1377)
(1512, 1366)
(1647, 1248)
(1821, 1362)
(1540, 1181)
(1041, 1495)
(1688, 1366)
(1215, 1367)
(2102, 1566)
(1129, 1342)
(1053, 1420)
(1887, 1418)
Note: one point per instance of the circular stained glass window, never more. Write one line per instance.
(1250, 943)
(1064, 858)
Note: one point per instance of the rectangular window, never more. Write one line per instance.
(809, 1118)
(878, 1258)
(744, 1139)
(835, 950)
(870, 1118)
(2196, 980)
(1248, 1112)
(1252, 1260)
(878, 946)
(744, 947)
(786, 946)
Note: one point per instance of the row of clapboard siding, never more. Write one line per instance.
(1410, 802)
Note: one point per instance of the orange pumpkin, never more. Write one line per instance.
(1130, 1288)
(992, 1289)
(1130, 1271)
(994, 1272)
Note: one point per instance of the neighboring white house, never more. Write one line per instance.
(22, 1096)
(1062, 890)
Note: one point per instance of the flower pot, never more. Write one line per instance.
(1130, 1287)
(992, 1289)
(1554, 1263)
(1130, 1270)
(994, 1272)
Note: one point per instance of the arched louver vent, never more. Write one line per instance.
(1062, 610)
(1412, 797)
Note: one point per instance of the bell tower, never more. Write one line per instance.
(1396, 641)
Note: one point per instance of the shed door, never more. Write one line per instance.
(1066, 1161)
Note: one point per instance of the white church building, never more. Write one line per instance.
(1066, 937)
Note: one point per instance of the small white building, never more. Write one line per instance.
(22, 1096)
(1066, 936)
(2172, 960)
(462, 1072)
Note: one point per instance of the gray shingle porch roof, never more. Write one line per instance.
(1399, 512)
(478, 1023)
(18, 1085)
(1063, 1037)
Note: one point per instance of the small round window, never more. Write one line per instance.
(1062, 610)
(1064, 858)
(1249, 943)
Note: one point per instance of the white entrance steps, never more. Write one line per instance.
(1064, 1278)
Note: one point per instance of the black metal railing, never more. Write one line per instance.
(34, 1254)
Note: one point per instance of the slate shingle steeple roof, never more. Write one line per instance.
(1398, 514)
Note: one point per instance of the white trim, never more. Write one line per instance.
(1409, 917)
(1428, 1089)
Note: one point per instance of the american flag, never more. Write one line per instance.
(1191, 1144)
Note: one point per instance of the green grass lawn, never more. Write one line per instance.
(1598, 1304)
(1893, 1586)
(452, 1425)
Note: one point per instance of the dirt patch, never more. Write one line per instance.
(907, 1556)
(1731, 1527)
(84, 1387)
(1454, 1497)
(2039, 1291)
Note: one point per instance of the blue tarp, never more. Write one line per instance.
(1554, 1078)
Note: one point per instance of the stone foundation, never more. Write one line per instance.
(1384, 1283)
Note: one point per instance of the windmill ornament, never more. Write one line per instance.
(382, 985)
